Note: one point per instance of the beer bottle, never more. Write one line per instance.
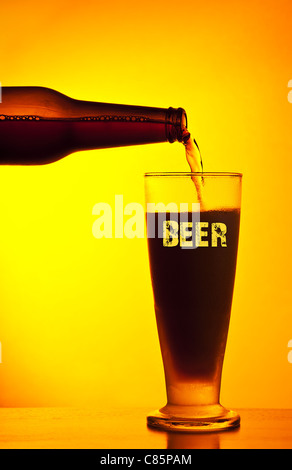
(39, 125)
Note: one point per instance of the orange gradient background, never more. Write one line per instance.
(77, 321)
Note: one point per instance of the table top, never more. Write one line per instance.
(126, 428)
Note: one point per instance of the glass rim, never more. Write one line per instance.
(189, 173)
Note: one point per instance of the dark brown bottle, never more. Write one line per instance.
(39, 125)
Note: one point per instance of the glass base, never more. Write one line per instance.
(194, 418)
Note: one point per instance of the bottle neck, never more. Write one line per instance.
(176, 122)
(174, 119)
(111, 125)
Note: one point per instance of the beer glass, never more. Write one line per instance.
(192, 234)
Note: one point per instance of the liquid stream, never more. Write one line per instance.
(194, 159)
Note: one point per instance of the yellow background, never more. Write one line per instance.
(77, 321)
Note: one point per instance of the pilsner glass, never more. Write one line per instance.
(192, 231)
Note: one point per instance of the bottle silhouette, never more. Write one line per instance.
(40, 125)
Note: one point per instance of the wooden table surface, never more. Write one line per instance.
(125, 428)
